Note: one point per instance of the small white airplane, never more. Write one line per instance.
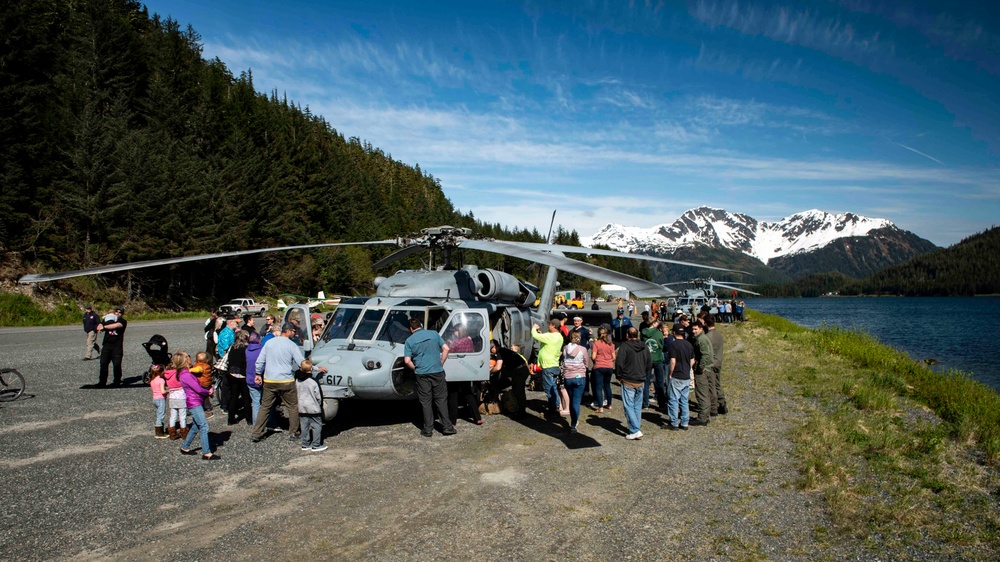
(310, 302)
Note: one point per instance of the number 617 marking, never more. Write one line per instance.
(333, 380)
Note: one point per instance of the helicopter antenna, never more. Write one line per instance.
(548, 240)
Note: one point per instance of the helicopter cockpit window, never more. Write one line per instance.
(342, 323)
(436, 319)
(368, 324)
(464, 333)
(397, 326)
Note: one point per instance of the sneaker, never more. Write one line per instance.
(275, 430)
(451, 431)
(573, 429)
(426, 433)
(634, 436)
(684, 427)
(594, 405)
(305, 447)
(320, 448)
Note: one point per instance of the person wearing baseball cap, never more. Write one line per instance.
(90, 322)
(619, 328)
(113, 348)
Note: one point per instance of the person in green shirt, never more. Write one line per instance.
(548, 359)
(653, 338)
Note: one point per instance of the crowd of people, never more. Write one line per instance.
(721, 310)
(672, 358)
(253, 372)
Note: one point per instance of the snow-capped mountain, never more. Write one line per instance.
(800, 233)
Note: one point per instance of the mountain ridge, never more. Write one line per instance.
(801, 244)
(798, 233)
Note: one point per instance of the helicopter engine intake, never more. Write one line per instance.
(493, 284)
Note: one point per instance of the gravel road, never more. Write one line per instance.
(85, 479)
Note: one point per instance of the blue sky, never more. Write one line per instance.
(633, 112)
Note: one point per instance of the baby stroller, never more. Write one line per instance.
(156, 347)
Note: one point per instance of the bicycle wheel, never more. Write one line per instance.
(11, 385)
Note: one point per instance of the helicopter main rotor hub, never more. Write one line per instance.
(445, 236)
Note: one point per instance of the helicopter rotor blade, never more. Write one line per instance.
(613, 253)
(724, 286)
(641, 287)
(407, 251)
(40, 277)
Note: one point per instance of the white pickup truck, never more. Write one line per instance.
(239, 307)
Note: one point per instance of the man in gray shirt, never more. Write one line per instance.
(275, 368)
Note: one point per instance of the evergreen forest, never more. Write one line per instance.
(971, 267)
(120, 143)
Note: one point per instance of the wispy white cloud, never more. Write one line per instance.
(752, 67)
(457, 139)
(794, 26)
(958, 37)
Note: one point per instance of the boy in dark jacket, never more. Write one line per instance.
(631, 366)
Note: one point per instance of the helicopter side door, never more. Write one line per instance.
(298, 314)
(467, 336)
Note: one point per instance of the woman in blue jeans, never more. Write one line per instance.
(603, 354)
(574, 362)
(196, 395)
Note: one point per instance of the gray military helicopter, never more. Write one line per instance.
(362, 344)
(702, 293)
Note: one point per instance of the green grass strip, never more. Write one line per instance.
(971, 408)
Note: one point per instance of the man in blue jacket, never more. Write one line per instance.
(619, 328)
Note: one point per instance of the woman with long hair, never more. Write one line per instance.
(603, 353)
(574, 363)
(240, 406)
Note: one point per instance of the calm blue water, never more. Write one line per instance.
(960, 332)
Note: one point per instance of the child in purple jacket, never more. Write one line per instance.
(196, 395)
